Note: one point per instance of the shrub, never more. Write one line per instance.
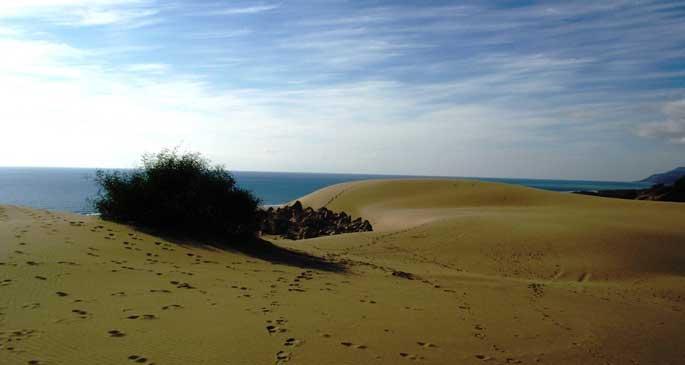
(178, 194)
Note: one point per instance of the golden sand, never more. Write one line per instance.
(456, 272)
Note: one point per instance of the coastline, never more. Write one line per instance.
(34, 187)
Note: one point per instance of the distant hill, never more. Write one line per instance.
(666, 178)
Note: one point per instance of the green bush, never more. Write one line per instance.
(178, 194)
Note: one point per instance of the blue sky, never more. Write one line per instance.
(555, 89)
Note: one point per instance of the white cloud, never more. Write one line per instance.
(63, 108)
(32, 58)
(60, 106)
(31, 7)
(150, 68)
(672, 128)
(94, 16)
(92, 115)
(82, 12)
(246, 10)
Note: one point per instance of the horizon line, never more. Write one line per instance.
(345, 173)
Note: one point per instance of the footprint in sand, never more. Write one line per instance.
(411, 356)
(538, 289)
(83, 314)
(480, 336)
(182, 285)
(293, 342)
(350, 344)
(67, 263)
(144, 316)
(172, 306)
(116, 333)
(275, 329)
(138, 359)
(276, 326)
(31, 306)
(282, 356)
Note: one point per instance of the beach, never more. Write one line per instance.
(455, 272)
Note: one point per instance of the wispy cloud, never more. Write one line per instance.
(32, 7)
(131, 18)
(477, 89)
(244, 10)
(133, 13)
(386, 14)
(351, 47)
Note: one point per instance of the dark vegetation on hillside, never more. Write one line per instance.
(666, 178)
(659, 192)
(180, 194)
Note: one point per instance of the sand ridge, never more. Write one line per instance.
(458, 272)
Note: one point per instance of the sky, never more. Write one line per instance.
(554, 89)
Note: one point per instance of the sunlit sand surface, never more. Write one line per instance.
(456, 272)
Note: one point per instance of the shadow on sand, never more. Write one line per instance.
(267, 251)
(255, 248)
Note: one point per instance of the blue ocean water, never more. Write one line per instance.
(72, 189)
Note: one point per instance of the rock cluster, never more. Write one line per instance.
(295, 222)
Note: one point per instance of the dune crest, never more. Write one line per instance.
(462, 220)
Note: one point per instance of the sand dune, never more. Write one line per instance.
(457, 272)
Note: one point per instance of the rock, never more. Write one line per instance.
(296, 222)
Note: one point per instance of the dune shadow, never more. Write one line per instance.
(267, 251)
(253, 247)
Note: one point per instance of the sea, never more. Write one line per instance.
(73, 189)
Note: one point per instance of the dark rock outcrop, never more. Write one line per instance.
(296, 222)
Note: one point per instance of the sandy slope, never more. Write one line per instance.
(496, 274)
